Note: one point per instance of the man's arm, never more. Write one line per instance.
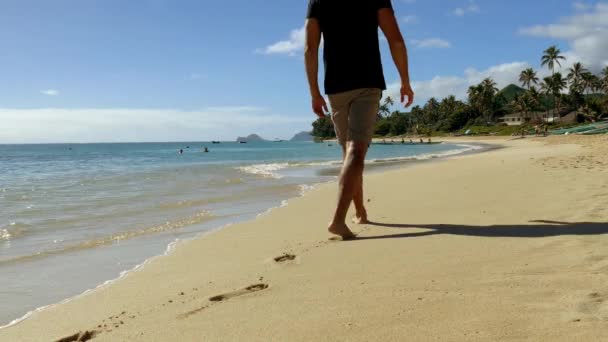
(311, 58)
(388, 24)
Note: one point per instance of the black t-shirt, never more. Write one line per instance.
(351, 49)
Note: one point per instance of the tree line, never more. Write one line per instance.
(577, 90)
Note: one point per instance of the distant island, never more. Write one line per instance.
(250, 138)
(303, 136)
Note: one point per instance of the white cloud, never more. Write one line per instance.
(50, 92)
(586, 33)
(431, 43)
(409, 19)
(195, 76)
(471, 7)
(290, 47)
(443, 86)
(105, 125)
(582, 6)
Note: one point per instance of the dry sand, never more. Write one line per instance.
(505, 245)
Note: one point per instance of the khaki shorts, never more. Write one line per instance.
(354, 114)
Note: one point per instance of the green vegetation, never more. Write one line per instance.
(578, 90)
(323, 128)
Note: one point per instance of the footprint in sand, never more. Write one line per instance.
(595, 304)
(284, 257)
(79, 336)
(225, 296)
(237, 293)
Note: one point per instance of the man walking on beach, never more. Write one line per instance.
(354, 81)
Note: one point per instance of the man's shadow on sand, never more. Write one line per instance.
(537, 229)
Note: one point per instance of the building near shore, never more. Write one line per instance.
(518, 119)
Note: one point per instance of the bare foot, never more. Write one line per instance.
(341, 230)
(361, 218)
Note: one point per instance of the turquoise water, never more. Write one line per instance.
(75, 215)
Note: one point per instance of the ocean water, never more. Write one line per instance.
(73, 216)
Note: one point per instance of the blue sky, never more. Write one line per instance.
(166, 70)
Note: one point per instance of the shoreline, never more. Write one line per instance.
(374, 166)
(260, 239)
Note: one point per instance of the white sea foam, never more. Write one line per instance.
(305, 188)
(5, 235)
(12, 231)
(266, 170)
(325, 163)
(427, 156)
(271, 170)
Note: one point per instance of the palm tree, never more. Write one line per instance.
(528, 77)
(447, 106)
(551, 56)
(482, 97)
(431, 112)
(557, 86)
(589, 113)
(534, 93)
(389, 101)
(385, 109)
(450, 101)
(575, 76)
(597, 84)
(605, 80)
(489, 85)
(554, 85)
(522, 105)
(534, 98)
(546, 87)
(475, 93)
(589, 82)
(489, 91)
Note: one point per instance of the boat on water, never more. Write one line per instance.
(216, 142)
(242, 142)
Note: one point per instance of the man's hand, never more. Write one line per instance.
(406, 90)
(319, 106)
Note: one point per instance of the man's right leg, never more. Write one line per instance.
(362, 119)
(358, 201)
(360, 211)
(350, 177)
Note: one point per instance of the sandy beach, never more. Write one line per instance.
(503, 245)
